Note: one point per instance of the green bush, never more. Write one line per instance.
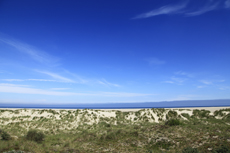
(1, 131)
(163, 144)
(34, 135)
(200, 113)
(173, 122)
(227, 117)
(111, 136)
(5, 135)
(190, 150)
(104, 124)
(222, 149)
(172, 113)
(13, 151)
(186, 115)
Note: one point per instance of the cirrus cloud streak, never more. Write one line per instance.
(185, 8)
(23, 89)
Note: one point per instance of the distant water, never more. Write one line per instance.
(165, 104)
(104, 107)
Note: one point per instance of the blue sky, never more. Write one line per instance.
(55, 52)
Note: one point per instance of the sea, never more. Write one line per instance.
(136, 105)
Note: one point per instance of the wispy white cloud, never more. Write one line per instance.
(106, 83)
(155, 61)
(224, 87)
(201, 86)
(214, 83)
(31, 51)
(227, 4)
(81, 80)
(179, 78)
(207, 82)
(60, 88)
(45, 58)
(220, 80)
(169, 82)
(23, 89)
(209, 6)
(11, 85)
(184, 74)
(57, 76)
(176, 80)
(77, 78)
(45, 80)
(184, 8)
(168, 9)
(123, 94)
(11, 80)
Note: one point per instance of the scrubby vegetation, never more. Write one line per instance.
(14, 151)
(222, 149)
(143, 131)
(4, 135)
(190, 150)
(173, 122)
(34, 135)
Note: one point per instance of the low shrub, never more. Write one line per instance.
(134, 133)
(200, 113)
(164, 144)
(186, 115)
(111, 136)
(34, 135)
(104, 124)
(5, 135)
(13, 151)
(156, 147)
(172, 113)
(172, 122)
(222, 149)
(190, 150)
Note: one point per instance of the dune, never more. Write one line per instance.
(112, 124)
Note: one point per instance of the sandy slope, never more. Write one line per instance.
(211, 109)
(101, 112)
(91, 116)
